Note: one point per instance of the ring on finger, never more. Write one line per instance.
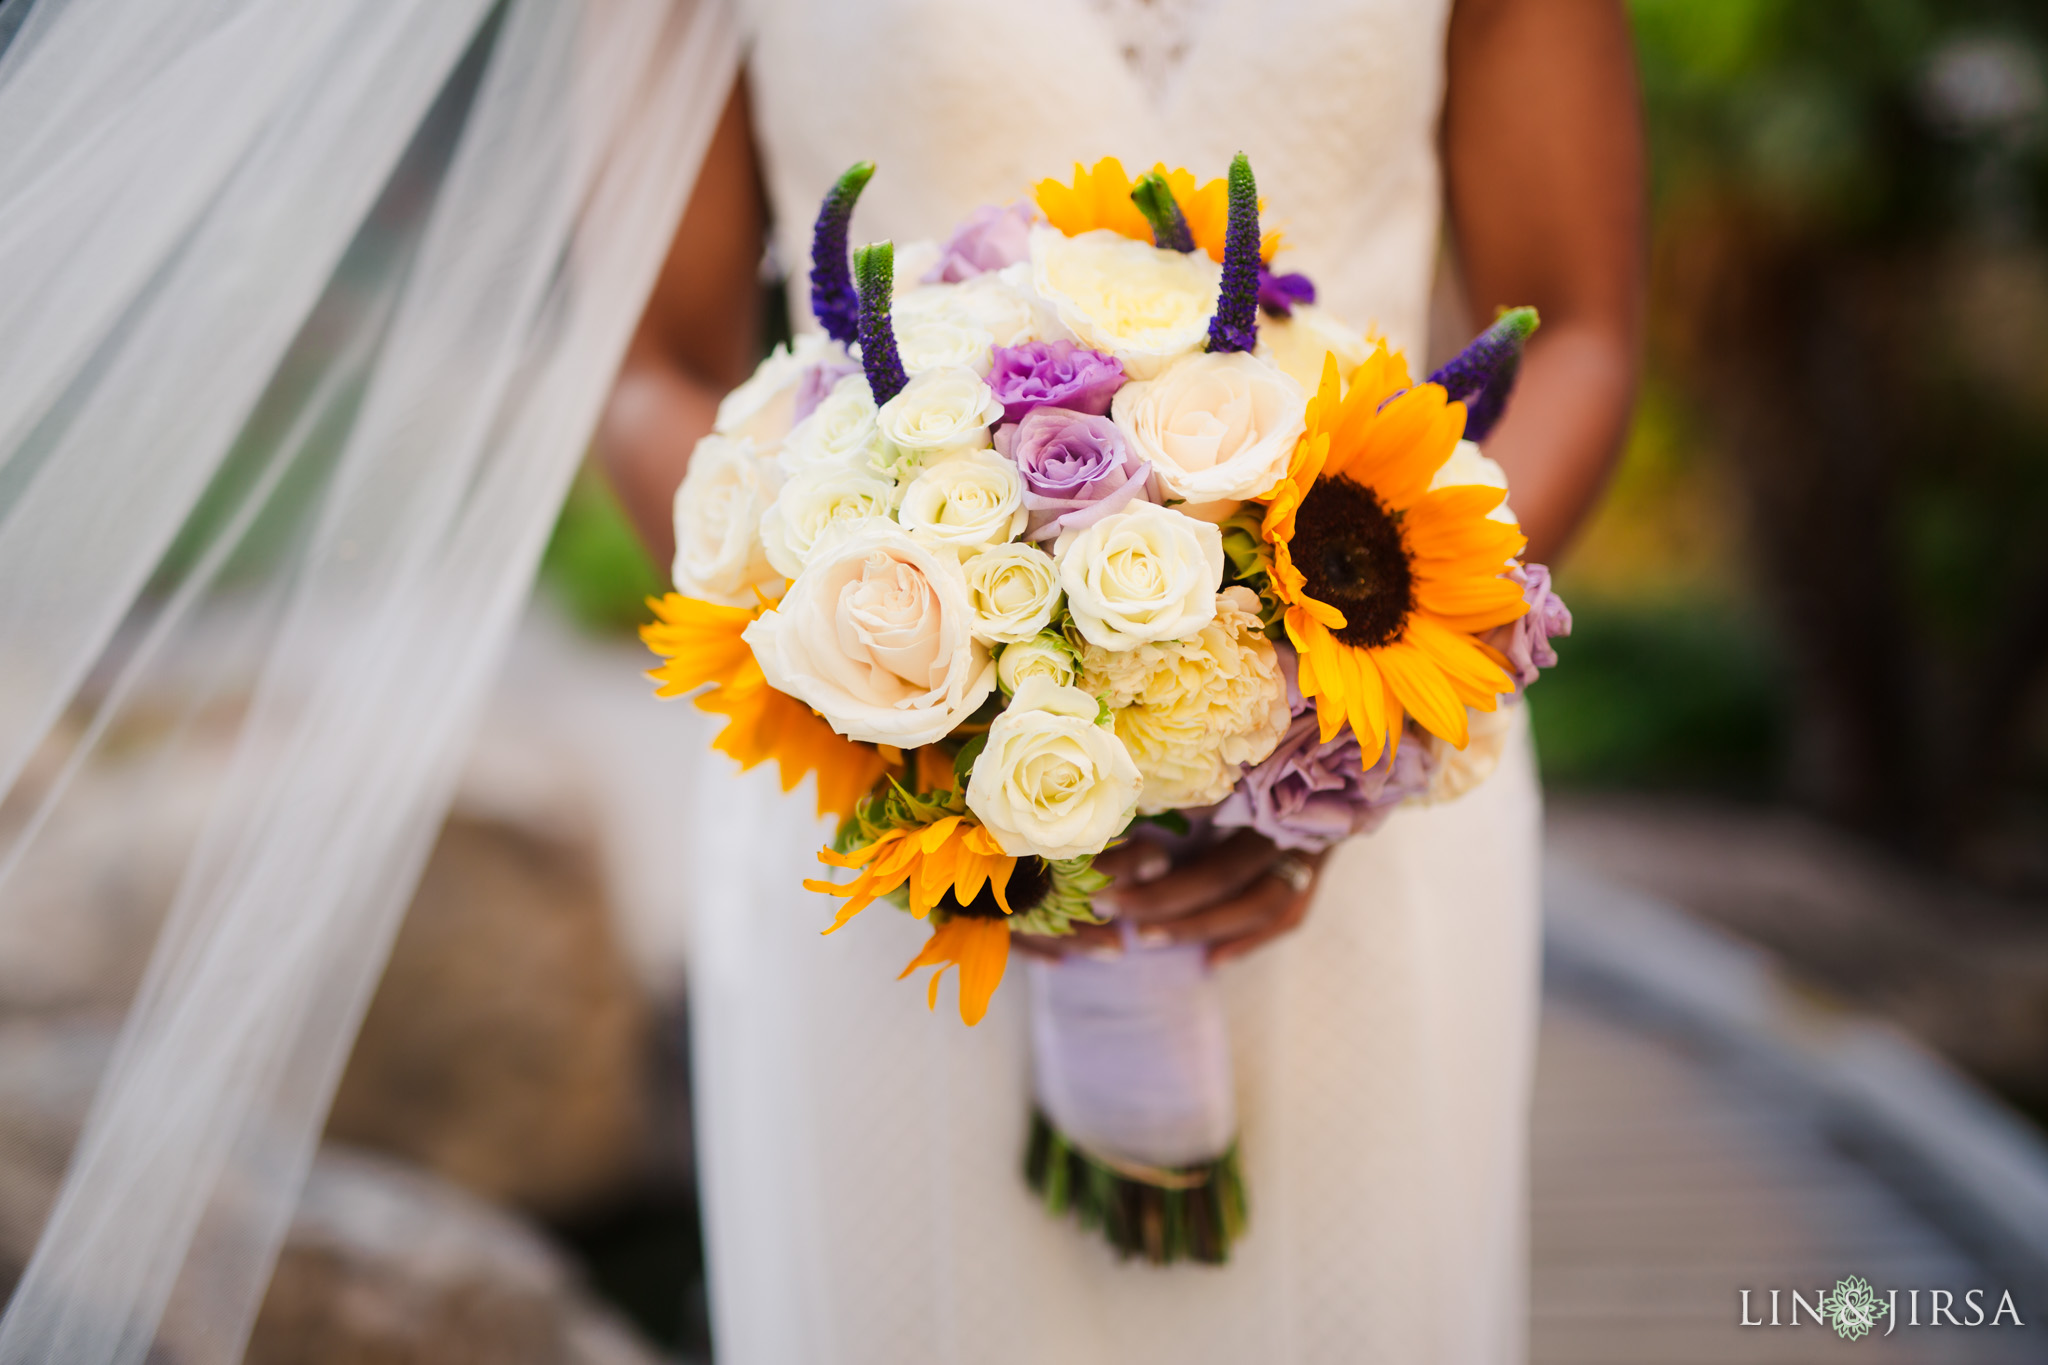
(1297, 871)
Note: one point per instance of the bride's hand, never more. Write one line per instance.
(1233, 896)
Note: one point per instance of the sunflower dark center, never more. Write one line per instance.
(1348, 546)
(1029, 882)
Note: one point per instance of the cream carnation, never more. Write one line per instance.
(1051, 781)
(965, 501)
(1146, 573)
(718, 509)
(1215, 426)
(762, 407)
(877, 636)
(815, 499)
(1298, 344)
(1143, 305)
(840, 430)
(1192, 711)
(1045, 655)
(1015, 590)
(940, 410)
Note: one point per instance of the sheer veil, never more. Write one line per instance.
(208, 332)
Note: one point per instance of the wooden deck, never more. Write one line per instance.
(1666, 1180)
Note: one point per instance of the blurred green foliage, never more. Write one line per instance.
(595, 566)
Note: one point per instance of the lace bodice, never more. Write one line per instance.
(966, 102)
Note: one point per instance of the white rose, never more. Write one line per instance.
(1051, 781)
(814, 499)
(1143, 305)
(877, 636)
(1146, 573)
(1192, 711)
(1215, 426)
(840, 430)
(1298, 344)
(1045, 655)
(718, 510)
(1467, 465)
(965, 501)
(910, 262)
(927, 341)
(1015, 590)
(940, 410)
(997, 302)
(761, 408)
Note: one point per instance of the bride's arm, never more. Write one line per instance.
(1543, 156)
(697, 339)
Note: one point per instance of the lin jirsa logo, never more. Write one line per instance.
(1855, 1309)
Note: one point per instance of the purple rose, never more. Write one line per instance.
(990, 239)
(1077, 469)
(1053, 374)
(1529, 636)
(1308, 794)
(819, 379)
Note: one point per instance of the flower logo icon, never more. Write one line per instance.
(1854, 1308)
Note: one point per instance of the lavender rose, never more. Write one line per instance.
(991, 238)
(819, 379)
(1053, 374)
(1077, 469)
(1528, 637)
(1308, 795)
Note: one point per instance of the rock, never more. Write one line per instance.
(384, 1264)
(508, 1047)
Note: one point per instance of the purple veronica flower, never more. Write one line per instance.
(1077, 469)
(819, 378)
(1528, 643)
(991, 238)
(834, 301)
(1483, 374)
(1235, 326)
(1057, 374)
(1279, 293)
(1308, 794)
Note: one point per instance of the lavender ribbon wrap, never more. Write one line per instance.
(1131, 1055)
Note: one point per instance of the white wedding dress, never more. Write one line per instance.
(860, 1157)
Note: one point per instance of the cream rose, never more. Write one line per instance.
(762, 407)
(1015, 590)
(815, 499)
(1215, 426)
(965, 501)
(925, 342)
(877, 636)
(1143, 305)
(1051, 781)
(718, 509)
(1045, 655)
(1298, 344)
(1146, 573)
(940, 410)
(1192, 711)
(840, 431)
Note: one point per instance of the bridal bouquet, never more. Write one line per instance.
(1086, 525)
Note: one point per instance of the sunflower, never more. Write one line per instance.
(951, 855)
(701, 643)
(1101, 198)
(1384, 582)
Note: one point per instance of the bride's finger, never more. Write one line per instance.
(1230, 949)
(1263, 905)
(1093, 940)
(1215, 876)
(1135, 861)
